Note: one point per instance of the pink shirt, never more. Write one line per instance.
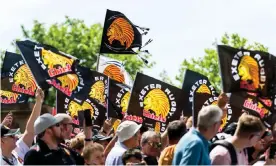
(220, 156)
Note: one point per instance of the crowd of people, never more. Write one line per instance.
(48, 140)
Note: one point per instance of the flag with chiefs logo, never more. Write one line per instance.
(16, 75)
(81, 84)
(114, 69)
(66, 105)
(246, 70)
(118, 98)
(154, 103)
(120, 35)
(7, 97)
(255, 105)
(199, 92)
(194, 83)
(45, 62)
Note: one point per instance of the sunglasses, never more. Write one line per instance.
(55, 125)
(156, 145)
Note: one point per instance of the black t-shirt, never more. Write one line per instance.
(150, 160)
(40, 154)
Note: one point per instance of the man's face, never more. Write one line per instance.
(66, 129)
(254, 138)
(8, 142)
(152, 147)
(55, 131)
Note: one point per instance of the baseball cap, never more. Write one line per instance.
(127, 129)
(45, 121)
(100, 137)
(6, 131)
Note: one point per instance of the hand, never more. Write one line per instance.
(8, 120)
(107, 126)
(223, 100)
(39, 95)
(269, 161)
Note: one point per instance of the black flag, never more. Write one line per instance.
(120, 35)
(71, 107)
(45, 61)
(245, 70)
(195, 83)
(7, 97)
(16, 75)
(81, 84)
(154, 103)
(254, 105)
(118, 98)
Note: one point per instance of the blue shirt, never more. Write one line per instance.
(115, 155)
(192, 149)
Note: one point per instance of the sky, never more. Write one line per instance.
(180, 29)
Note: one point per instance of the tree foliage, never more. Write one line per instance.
(74, 37)
(208, 64)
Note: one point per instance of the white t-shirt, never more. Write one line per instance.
(19, 153)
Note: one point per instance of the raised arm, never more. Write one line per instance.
(28, 135)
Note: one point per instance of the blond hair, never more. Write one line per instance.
(248, 125)
(90, 149)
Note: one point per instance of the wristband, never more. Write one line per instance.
(88, 139)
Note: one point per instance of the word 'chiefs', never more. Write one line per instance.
(52, 71)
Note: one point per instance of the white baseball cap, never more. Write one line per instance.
(127, 129)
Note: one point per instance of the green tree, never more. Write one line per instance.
(2, 55)
(74, 37)
(208, 64)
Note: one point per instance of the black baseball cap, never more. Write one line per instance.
(6, 131)
(100, 137)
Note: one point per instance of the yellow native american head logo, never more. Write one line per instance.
(23, 76)
(249, 71)
(157, 101)
(97, 91)
(203, 89)
(75, 107)
(52, 60)
(114, 72)
(8, 95)
(121, 30)
(124, 102)
(116, 124)
(70, 81)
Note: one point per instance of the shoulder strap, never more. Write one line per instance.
(229, 147)
(8, 161)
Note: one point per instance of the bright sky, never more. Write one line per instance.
(180, 28)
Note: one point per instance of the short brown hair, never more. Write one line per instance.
(249, 124)
(88, 150)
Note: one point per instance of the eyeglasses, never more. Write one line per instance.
(156, 145)
(10, 136)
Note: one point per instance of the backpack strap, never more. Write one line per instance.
(229, 147)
